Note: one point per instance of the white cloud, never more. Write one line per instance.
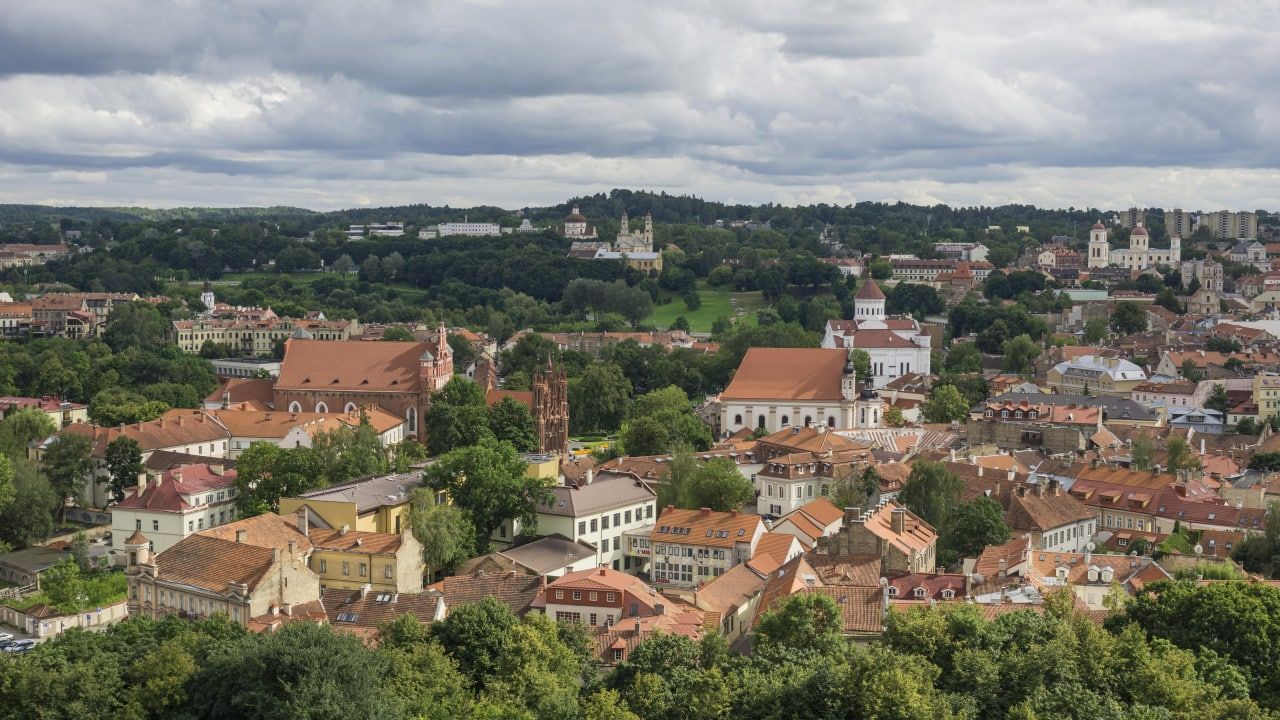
(335, 103)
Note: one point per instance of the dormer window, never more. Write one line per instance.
(948, 594)
(1017, 414)
(918, 592)
(1031, 414)
(893, 591)
(1004, 413)
(989, 413)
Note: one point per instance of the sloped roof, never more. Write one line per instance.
(211, 563)
(267, 530)
(705, 527)
(787, 374)
(604, 493)
(514, 590)
(346, 608)
(258, 392)
(373, 543)
(350, 366)
(869, 291)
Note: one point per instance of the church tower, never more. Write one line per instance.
(1175, 249)
(206, 297)
(551, 409)
(625, 227)
(1139, 240)
(648, 231)
(1099, 248)
(868, 304)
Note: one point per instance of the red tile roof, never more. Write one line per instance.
(787, 374)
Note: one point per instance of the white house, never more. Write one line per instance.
(181, 502)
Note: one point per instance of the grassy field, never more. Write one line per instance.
(715, 303)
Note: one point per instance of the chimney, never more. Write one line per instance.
(637, 627)
(602, 570)
(659, 609)
(590, 476)
(898, 520)
(293, 549)
(364, 591)
(953, 454)
(979, 471)
(1022, 491)
(1201, 446)
(995, 489)
(226, 399)
(1010, 475)
(1056, 487)
(852, 515)
(1040, 489)
(177, 475)
(1004, 567)
(142, 483)
(242, 536)
(304, 522)
(343, 530)
(287, 608)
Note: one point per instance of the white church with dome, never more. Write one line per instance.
(1139, 256)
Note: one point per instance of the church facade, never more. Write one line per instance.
(548, 401)
(1138, 256)
(896, 344)
(776, 388)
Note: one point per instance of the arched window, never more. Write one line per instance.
(295, 406)
(919, 592)
(786, 420)
(351, 407)
(411, 417)
(737, 419)
(831, 421)
(808, 420)
(826, 490)
(322, 408)
(760, 422)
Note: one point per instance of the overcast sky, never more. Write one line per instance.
(376, 102)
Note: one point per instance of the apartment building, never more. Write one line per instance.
(690, 547)
(178, 503)
(1096, 375)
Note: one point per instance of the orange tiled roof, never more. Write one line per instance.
(810, 374)
(213, 564)
(366, 367)
(705, 527)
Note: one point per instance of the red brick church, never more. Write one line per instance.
(548, 401)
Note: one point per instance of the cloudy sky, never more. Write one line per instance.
(327, 104)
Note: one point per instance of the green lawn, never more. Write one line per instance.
(715, 303)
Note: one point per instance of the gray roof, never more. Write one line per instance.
(606, 493)
(1115, 408)
(370, 493)
(550, 553)
(34, 559)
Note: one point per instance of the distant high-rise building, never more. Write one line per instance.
(1177, 223)
(1227, 225)
(1133, 217)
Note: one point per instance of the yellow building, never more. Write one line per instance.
(1266, 395)
(350, 559)
(377, 504)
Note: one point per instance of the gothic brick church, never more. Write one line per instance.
(548, 401)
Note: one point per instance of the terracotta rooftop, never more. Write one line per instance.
(705, 527)
(213, 564)
(869, 291)
(514, 590)
(369, 609)
(787, 374)
(165, 494)
(267, 530)
(326, 365)
(258, 392)
(372, 543)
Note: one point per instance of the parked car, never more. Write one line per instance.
(5, 637)
(19, 646)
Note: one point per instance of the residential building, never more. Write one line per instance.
(15, 319)
(1115, 410)
(378, 504)
(397, 376)
(256, 587)
(353, 559)
(1051, 518)
(848, 266)
(1201, 419)
(196, 435)
(1019, 424)
(613, 644)
(1177, 394)
(969, 252)
(175, 504)
(515, 590)
(548, 556)
(25, 254)
(364, 611)
(1266, 394)
(467, 228)
(1227, 225)
(61, 412)
(1133, 217)
(1092, 374)
(891, 532)
(690, 547)
(74, 315)
(258, 337)
(854, 587)
(44, 621)
(734, 597)
(801, 464)
(927, 271)
(1091, 577)
(819, 388)
(598, 597)
(607, 513)
(1177, 223)
(1171, 361)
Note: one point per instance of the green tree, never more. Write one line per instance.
(972, 526)
(963, 358)
(1095, 331)
(1189, 370)
(124, 463)
(266, 472)
(28, 518)
(598, 399)
(488, 481)
(477, 635)
(80, 550)
(1180, 455)
(1128, 318)
(1140, 453)
(662, 421)
(136, 324)
(931, 492)
(1218, 400)
(715, 484)
(945, 404)
(63, 584)
(511, 421)
(20, 428)
(861, 363)
(445, 531)
(1019, 353)
(396, 333)
(856, 488)
(117, 406)
(457, 416)
(68, 466)
(881, 269)
(803, 623)
(893, 417)
(1248, 426)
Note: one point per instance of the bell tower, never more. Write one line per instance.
(1099, 248)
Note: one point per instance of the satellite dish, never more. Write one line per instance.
(1198, 549)
(1090, 546)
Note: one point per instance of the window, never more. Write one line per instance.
(562, 616)
(760, 421)
(389, 571)
(648, 511)
(786, 420)
(592, 597)
(617, 654)
(559, 594)
(610, 597)
(604, 522)
(322, 408)
(582, 527)
(617, 543)
(346, 567)
(593, 524)
(737, 419)
(191, 526)
(617, 519)
(577, 594)
(324, 565)
(364, 569)
(627, 517)
(137, 524)
(593, 619)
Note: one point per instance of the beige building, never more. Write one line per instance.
(61, 412)
(256, 587)
(378, 504)
(1096, 375)
(1227, 225)
(258, 337)
(897, 536)
(691, 547)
